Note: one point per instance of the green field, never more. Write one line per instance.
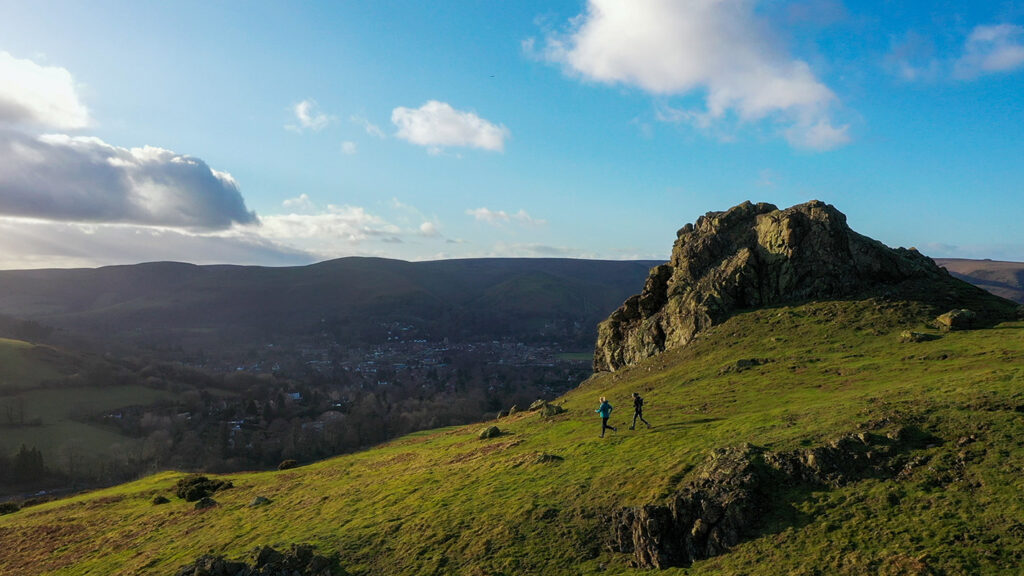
(58, 409)
(32, 381)
(446, 502)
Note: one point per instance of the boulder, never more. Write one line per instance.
(962, 319)
(490, 432)
(259, 501)
(550, 410)
(159, 499)
(205, 502)
(537, 405)
(195, 487)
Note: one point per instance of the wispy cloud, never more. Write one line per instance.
(991, 50)
(309, 117)
(39, 96)
(302, 204)
(370, 128)
(501, 217)
(436, 125)
(986, 50)
(670, 48)
(349, 148)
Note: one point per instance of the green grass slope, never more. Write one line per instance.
(447, 502)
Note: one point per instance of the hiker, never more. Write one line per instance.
(638, 411)
(605, 411)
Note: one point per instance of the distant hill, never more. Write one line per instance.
(175, 304)
(1004, 279)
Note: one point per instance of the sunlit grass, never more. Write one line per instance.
(447, 502)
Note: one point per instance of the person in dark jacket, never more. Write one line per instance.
(605, 412)
(638, 411)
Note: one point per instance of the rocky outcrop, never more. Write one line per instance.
(266, 561)
(756, 255)
(728, 495)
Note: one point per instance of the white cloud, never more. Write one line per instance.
(83, 179)
(500, 217)
(36, 95)
(991, 50)
(717, 47)
(371, 128)
(349, 148)
(300, 204)
(28, 243)
(429, 229)
(818, 136)
(347, 223)
(309, 117)
(436, 125)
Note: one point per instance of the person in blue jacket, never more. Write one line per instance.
(605, 411)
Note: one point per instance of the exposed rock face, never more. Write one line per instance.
(756, 255)
(956, 320)
(266, 561)
(731, 491)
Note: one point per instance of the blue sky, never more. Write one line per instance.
(287, 133)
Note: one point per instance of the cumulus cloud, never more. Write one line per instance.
(309, 117)
(84, 179)
(500, 217)
(436, 125)
(370, 128)
(429, 229)
(716, 47)
(35, 95)
(991, 50)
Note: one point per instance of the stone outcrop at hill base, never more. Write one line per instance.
(756, 255)
(728, 495)
(301, 560)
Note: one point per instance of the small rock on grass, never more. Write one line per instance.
(490, 432)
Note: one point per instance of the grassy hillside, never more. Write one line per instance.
(536, 499)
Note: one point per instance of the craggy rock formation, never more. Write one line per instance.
(732, 490)
(756, 255)
(299, 561)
